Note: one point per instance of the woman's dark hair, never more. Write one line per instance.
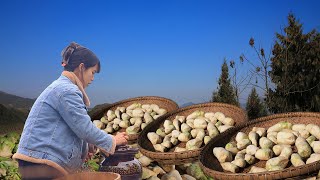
(74, 54)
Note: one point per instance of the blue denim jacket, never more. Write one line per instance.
(58, 127)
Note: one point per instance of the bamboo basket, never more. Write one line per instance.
(171, 158)
(91, 175)
(212, 167)
(162, 102)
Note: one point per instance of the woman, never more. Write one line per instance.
(55, 138)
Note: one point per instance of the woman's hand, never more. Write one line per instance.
(121, 138)
(91, 151)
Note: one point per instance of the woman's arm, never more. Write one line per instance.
(73, 111)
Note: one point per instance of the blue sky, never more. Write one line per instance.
(169, 48)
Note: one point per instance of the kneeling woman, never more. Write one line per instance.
(56, 134)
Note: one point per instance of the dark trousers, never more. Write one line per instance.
(35, 171)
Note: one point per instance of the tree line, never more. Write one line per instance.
(289, 76)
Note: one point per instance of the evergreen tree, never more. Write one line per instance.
(255, 107)
(295, 70)
(225, 91)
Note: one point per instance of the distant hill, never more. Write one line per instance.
(11, 115)
(14, 101)
(14, 109)
(11, 120)
(97, 109)
(187, 104)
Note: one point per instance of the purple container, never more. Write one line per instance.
(123, 163)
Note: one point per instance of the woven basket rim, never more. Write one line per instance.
(115, 104)
(193, 153)
(132, 137)
(238, 128)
